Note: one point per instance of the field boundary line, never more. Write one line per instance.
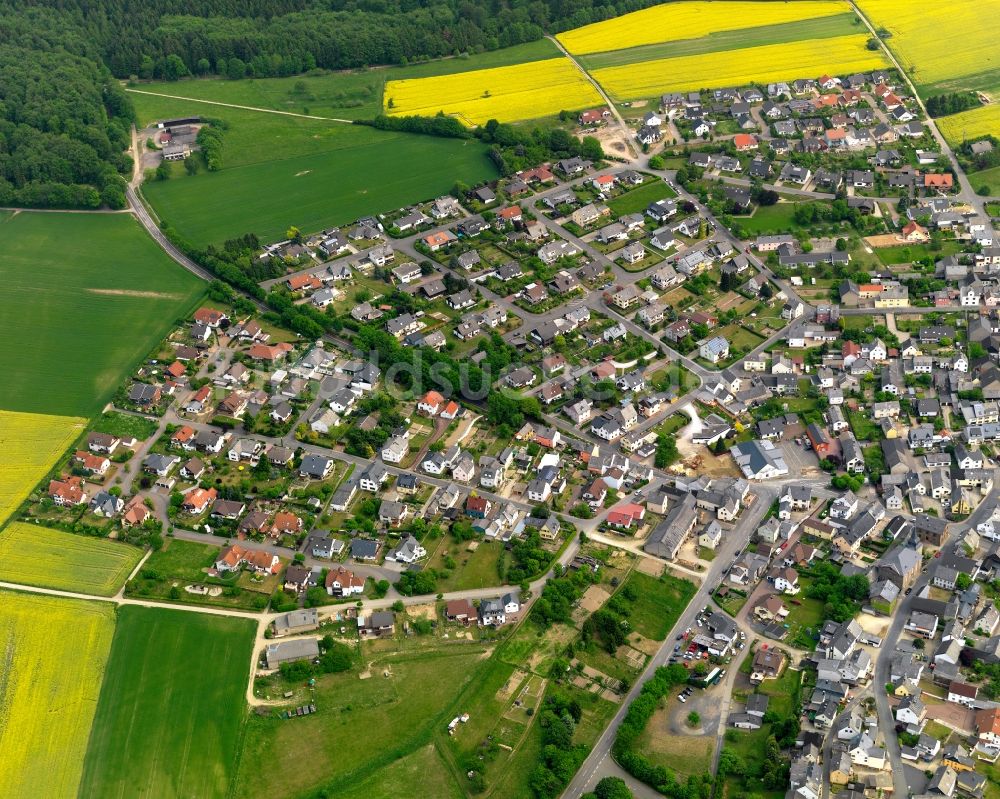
(19, 210)
(600, 90)
(242, 107)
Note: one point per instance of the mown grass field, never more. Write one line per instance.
(85, 297)
(989, 178)
(689, 20)
(30, 445)
(380, 172)
(717, 41)
(943, 46)
(837, 55)
(280, 171)
(345, 95)
(54, 657)
(423, 768)
(769, 219)
(637, 200)
(507, 94)
(172, 706)
(35, 555)
(362, 727)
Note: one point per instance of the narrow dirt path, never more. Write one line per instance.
(242, 107)
(611, 106)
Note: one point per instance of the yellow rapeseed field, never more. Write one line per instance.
(970, 124)
(54, 651)
(939, 41)
(690, 20)
(34, 555)
(507, 94)
(807, 59)
(30, 443)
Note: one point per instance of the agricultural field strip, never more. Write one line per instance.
(56, 654)
(354, 95)
(741, 39)
(30, 444)
(839, 55)
(936, 41)
(971, 124)
(76, 327)
(522, 91)
(171, 707)
(35, 555)
(690, 20)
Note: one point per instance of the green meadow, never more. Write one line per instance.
(280, 171)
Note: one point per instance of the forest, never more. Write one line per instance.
(65, 119)
(172, 38)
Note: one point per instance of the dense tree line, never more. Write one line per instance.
(515, 148)
(64, 121)
(173, 38)
(560, 756)
(439, 125)
(941, 105)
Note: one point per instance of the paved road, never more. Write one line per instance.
(966, 191)
(597, 764)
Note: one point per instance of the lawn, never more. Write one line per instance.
(171, 711)
(807, 615)
(54, 656)
(279, 171)
(751, 748)
(35, 555)
(913, 252)
(674, 423)
(86, 297)
(659, 603)
(123, 425)
(732, 602)
(476, 569)
(183, 563)
(361, 727)
(347, 95)
(683, 754)
(783, 692)
(988, 177)
(422, 767)
(637, 200)
(368, 173)
(769, 219)
(863, 426)
(30, 445)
